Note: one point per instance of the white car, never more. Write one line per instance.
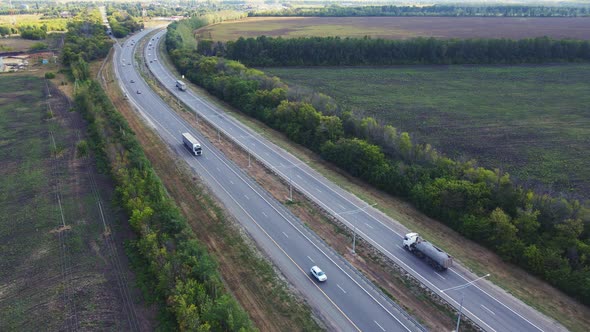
(318, 274)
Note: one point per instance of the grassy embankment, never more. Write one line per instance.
(59, 267)
(530, 121)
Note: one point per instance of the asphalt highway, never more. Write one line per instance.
(346, 301)
(486, 304)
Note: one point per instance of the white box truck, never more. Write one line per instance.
(180, 85)
(192, 144)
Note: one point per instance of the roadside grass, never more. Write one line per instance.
(267, 298)
(51, 276)
(530, 120)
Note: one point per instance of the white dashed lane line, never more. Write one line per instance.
(483, 306)
(381, 327)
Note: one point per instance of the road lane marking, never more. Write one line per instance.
(248, 198)
(285, 234)
(399, 246)
(230, 181)
(299, 176)
(371, 227)
(218, 169)
(483, 306)
(343, 291)
(264, 214)
(318, 190)
(310, 259)
(381, 327)
(443, 278)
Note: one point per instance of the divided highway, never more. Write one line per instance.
(346, 301)
(487, 305)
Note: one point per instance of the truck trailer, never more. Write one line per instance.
(439, 259)
(192, 144)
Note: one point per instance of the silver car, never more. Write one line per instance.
(318, 274)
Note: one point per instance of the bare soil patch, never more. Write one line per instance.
(402, 27)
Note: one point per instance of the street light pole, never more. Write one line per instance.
(354, 240)
(290, 184)
(462, 287)
(460, 311)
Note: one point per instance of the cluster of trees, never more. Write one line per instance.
(173, 269)
(435, 10)
(123, 24)
(33, 32)
(336, 51)
(85, 40)
(548, 236)
(6, 31)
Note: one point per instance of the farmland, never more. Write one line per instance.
(62, 265)
(400, 27)
(531, 121)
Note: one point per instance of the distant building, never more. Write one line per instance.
(65, 14)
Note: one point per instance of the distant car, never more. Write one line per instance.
(150, 61)
(318, 273)
(132, 81)
(138, 92)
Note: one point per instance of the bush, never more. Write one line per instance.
(38, 46)
(49, 75)
(82, 148)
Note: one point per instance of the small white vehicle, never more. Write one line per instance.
(318, 274)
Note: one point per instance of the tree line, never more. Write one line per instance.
(173, 269)
(435, 10)
(548, 236)
(335, 51)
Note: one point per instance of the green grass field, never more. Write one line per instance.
(531, 121)
(51, 277)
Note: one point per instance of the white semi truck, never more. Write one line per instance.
(439, 259)
(192, 144)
